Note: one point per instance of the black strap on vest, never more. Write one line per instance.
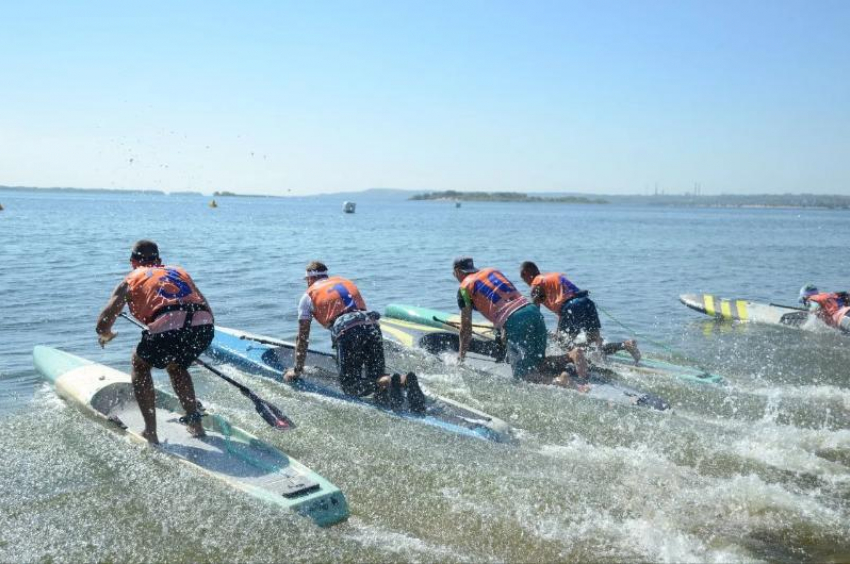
(190, 310)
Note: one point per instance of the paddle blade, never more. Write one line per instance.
(794, 319)
(273, 416)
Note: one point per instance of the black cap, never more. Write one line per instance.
(145, 251)
(465, 264)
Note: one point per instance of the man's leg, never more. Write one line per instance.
(580, 361)
(558, 370)
(630, 346)
(351, 358)
(145, 396)
(181, 381)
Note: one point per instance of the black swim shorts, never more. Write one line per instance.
(179, 347)
(360, 359)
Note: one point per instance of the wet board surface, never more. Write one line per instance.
(273, 357)
(749, 312)
(227, 453)
(483, 343)
(435, 340)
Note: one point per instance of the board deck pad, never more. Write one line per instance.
(216, 452)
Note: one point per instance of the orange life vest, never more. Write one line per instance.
(493, 295)
(153, 288)
(833, 307)
(332, 297)
(556, 288)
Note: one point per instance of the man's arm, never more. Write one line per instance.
(110, 313)
(465, 331)
(301, 344)
(537, 295)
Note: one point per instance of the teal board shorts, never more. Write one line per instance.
(526, 333)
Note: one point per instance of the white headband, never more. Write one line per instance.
(316, 273)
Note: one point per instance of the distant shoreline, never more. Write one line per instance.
(514, 197)
(742, 201)
(98, 191)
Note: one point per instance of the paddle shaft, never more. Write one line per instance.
(457, 323)
(789, 307)
(277, 343)
(279, 420)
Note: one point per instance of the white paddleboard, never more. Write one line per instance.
(227, 453)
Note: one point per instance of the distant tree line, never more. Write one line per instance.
(504, 197)
(826, 201)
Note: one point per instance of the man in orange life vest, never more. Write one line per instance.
(337, 305)
(490, 293)
(575, 310)
(833, 309)
(179, 328)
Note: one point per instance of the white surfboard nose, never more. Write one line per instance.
(53, 363)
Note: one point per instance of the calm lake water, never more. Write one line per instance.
(756, 470)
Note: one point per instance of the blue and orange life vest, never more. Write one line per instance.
(833, 307)
(332, 297)
(493, 295)
(556, 289)
(154, 289)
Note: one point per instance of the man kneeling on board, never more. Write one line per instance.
(337, 305)
(179, 324)
(575, 310)
(490, 293)
(831, 308)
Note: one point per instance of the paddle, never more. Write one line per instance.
(272, 342)
(790, 307)
(270, 413)
(457, 323)
(278, 343)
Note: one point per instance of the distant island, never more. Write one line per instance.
(84, 190)
(226, 194)
(97, 191)
(505, 197)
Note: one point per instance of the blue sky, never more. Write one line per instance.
(309, 97)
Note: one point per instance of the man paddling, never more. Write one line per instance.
(490, 293)
(337, 305)
(575, 310)
(831, 308)
(179, 324)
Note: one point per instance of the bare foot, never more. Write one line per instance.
(196, 429)
(291, 376)
(565, 381)
(631, 346)
(150, 437)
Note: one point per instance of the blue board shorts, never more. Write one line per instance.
(526, 333)
(577, 315)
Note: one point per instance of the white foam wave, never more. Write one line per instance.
(795, 450)
(402, 543)
(817, 393)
